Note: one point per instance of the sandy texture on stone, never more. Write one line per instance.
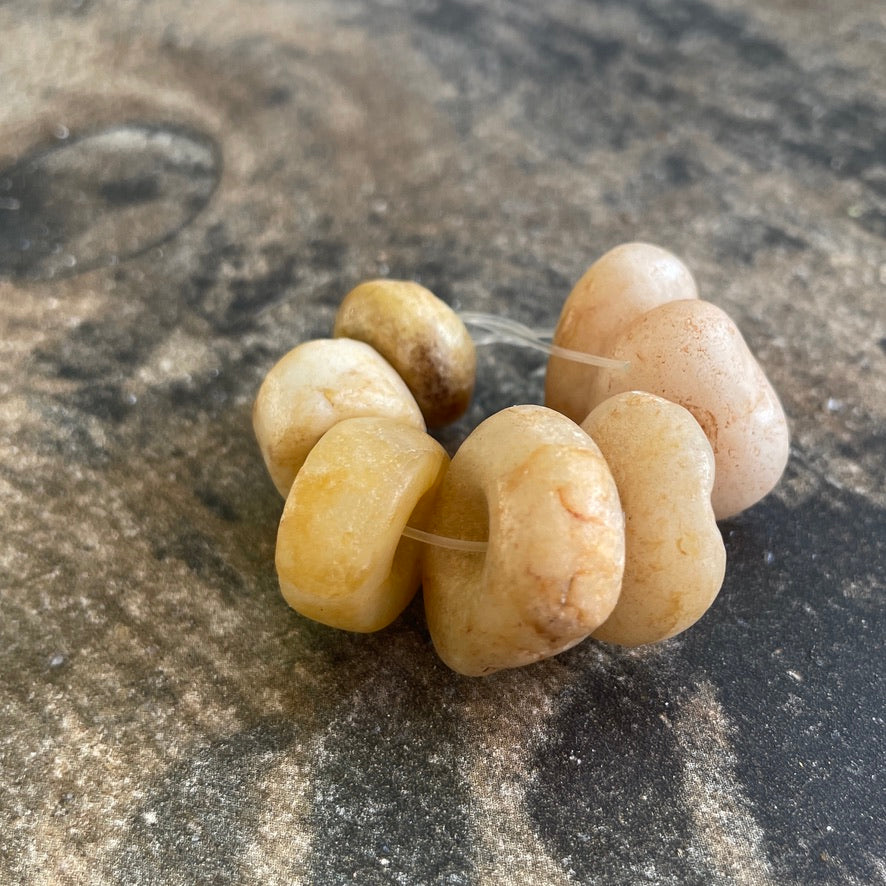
(186, 192)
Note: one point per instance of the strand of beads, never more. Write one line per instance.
(540, 532)
(639, 304)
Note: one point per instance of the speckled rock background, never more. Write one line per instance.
(187, 190)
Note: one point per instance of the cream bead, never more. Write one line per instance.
(341, 558)
(536, 486)
(316, 385)
(620, 286)
(690, 352)
(675, 561)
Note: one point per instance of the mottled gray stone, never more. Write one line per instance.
(222, 174)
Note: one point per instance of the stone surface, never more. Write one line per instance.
(199, 185)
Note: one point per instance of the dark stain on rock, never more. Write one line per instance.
(791, 643)
(650, 84)
(232, 302)
(106, 401)
(450, 17)
(592, 802)
(95, 351)
(63, 434)
(200, 554)
(848, 141)
(202, 814)
(570, 54)
(130, 191)
(277, 96)
(778, 238)
(389, 807)
(676, 21)
(255, 294)
(874, 221)
(742, 239)
(327, 253)
(866, 448)
(212, 393)
(102, 197)
(677, 170)
(216, 503)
